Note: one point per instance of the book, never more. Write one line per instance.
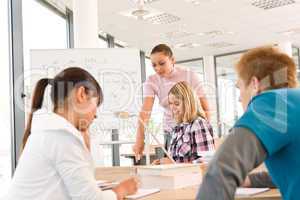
(167, 170)
(171, 181)
(242, 192)
(142, 193)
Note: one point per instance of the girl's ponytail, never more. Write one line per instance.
(37, 102)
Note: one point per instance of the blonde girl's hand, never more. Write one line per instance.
(126, 187)
(162, 161)
(156, 162)
(165, 161)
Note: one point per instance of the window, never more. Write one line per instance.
(229, 106)
(196, 65)
(5, 136)
(42, 29)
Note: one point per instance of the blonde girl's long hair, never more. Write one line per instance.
(191, 105)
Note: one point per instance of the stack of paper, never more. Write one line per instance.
(170, 176)
(172, 181)
(170, 169)
(242, 192)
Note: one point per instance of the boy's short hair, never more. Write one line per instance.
(272, 67)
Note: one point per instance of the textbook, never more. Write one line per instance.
(167, 170)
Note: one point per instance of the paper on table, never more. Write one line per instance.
(250, 191)
(142, 193)
(106, 185)
(100, 182)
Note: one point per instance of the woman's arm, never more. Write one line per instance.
(144, 116)
(238, 155)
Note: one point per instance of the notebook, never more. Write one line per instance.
(142, 193)
(242, 192)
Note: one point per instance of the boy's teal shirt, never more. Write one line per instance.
(274, 117)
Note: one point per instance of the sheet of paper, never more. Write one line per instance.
(106, 185)
(249, 191)
(142, 193)
(100, 182)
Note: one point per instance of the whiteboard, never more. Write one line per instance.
(118, 72)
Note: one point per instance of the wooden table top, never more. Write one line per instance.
(189, 193)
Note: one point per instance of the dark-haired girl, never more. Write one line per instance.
(56, 162)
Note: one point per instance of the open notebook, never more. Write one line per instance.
(142, 193)
(244, 192)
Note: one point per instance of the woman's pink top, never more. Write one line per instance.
(159, 86)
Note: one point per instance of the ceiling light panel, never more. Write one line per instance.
(269, 4)
(219, 45)
(163, 18)
(186, 45)
(176, 34)
(216, 33)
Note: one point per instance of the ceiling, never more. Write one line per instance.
(211, 27)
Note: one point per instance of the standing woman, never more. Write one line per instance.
(56, 162)
(159, 85)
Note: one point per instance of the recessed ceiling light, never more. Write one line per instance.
(220, 44)
(162, 18)
(140, 13)
(176, 34)
(269, 4)
(186, 45)
(215, 33)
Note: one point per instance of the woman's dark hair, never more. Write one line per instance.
(162, 48)
(62, 84)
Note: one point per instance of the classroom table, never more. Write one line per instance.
(189, 193)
